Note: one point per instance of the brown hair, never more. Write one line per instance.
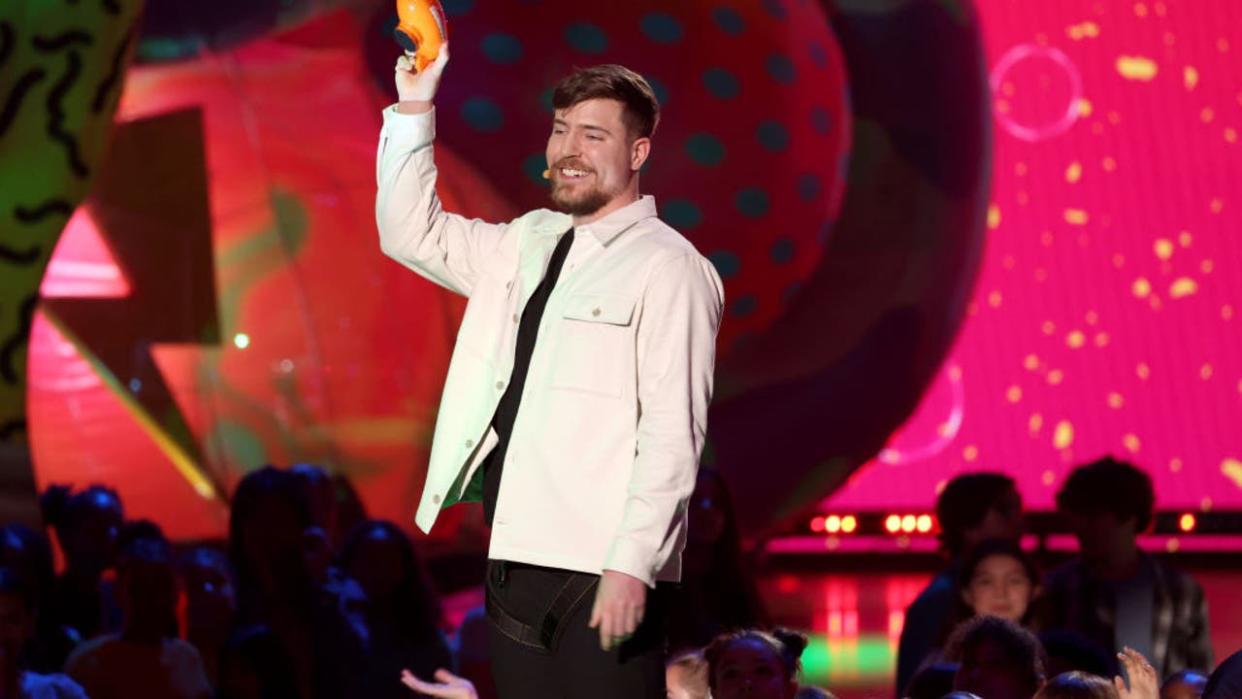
(614, 82)
(695, 666)
(786, 645)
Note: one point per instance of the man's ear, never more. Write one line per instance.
(639, 150)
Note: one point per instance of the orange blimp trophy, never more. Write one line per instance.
(421, 30)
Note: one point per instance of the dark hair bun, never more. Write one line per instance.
(793, 641)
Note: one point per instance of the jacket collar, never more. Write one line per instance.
(614, 224)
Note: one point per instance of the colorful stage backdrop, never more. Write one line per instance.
(1009, 228)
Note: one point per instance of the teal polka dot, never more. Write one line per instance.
(752, 202)
(782, 251)
(661, 92)
(772, 135)
(727, 263)
(662, 28)
(781, 69)
(721, 83)
(504, 49)
(819, 56)
(809, 186)
(729, 21)
(533, 167)
(482, 114)
(587, 38)
(682, 214)
(457, 8)
(705, 149)
(545, 100)
(775, 8)
(821, 120)
(745, 305)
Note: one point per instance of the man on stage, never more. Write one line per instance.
(575, 405)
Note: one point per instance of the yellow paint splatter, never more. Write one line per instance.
(1206, 504)
(1048, 477)
(1109, 164)
(1207, 266)
(994, 216)
(1116, 401)
(1140, 9)
(1141, 287)
(1092, 317)
(1217, 205)
(1076, 217)
(1183, 287)
(1207, 115)
(1055, 377)
(1184, 239)
(1190, 77)
(994, 299)
(1048, 327)
(1231, 135)
(1083, 30)
(1035, 424)
(970, 453)
(1143, 371)
(1232, 468)
(1075, 339)
(1013, 394)
(1163, 248)
(1031, 362)
(1084, 107)
(1073, 173)
(955, 373)
(1101, 339)
(1226, 312)
(1131, 443)
(1205, 372)
(1175, 464)
(1063, 436)
(1136, 68)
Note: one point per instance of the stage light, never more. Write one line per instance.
(241, 340)
(909, 523)
(832, 525)
(893, 524)
(849, 524)
(1187, 522)
(817, 524)
(924, 523)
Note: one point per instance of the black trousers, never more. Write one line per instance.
(575, 666)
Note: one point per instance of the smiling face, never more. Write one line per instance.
(999, 587)
(750, 669)
(594, 159)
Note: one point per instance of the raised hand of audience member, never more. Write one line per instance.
(447, 685)
(1144, 684)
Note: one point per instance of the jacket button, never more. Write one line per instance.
(435, 499)
(500, 385)
(469, 443)
(515, 317)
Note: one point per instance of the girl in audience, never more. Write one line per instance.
(997, 578)
(755, 664)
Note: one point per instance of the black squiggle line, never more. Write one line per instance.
(20, 257)
(13, 103)
(60, 41)
(11, 427)
(8, 351)
(57, 116)
(112, 79)
(52, 206)
(7, 40)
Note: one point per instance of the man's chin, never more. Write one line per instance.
(583, 205)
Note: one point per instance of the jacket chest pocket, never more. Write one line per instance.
(595, 351)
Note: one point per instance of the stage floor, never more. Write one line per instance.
(854, 620)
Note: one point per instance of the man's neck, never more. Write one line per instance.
(617, 204)
(1119, 565)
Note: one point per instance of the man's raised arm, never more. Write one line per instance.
(414, 228)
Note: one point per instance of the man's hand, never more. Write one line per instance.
(451, 686)
(416, 90)
(620, 601)
(1143, 681)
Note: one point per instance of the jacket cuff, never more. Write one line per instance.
(630, 558)
(409, 131)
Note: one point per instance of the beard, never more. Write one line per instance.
(581, 203)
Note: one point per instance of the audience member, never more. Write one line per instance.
(972, 508)
(717, 592)
(87, 525)
(997, 578)
(755, 664)
(1187, 684)
(809, 692)
(18, 612)
(1225, 682)
(210, 604)
(685, 677)
(143, 659)
(274, 545)
(997, 659)
(1068, 651)
(1077, 685)
(932, 682)
(28, 554)
(403, 611)
(1114, 594)
(320, 541)
(446, 686)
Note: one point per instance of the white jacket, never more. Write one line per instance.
(604, 452)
